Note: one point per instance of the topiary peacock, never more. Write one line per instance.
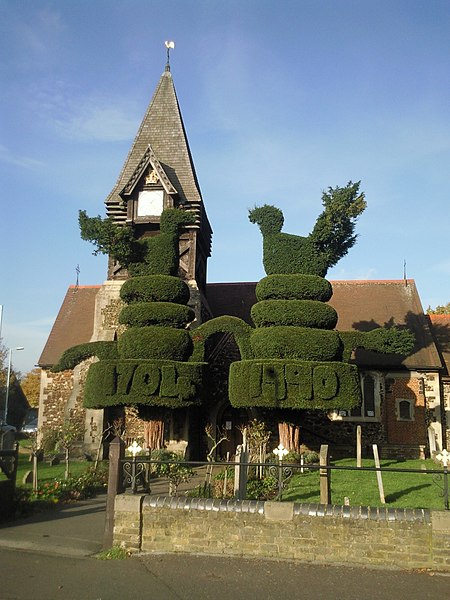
(294, 357)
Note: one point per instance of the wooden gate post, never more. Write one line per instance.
(324, 475)
(115, 486)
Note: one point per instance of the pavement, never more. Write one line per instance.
(52, 556)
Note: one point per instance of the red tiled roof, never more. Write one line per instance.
(73, 325)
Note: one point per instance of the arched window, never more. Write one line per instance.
(405, 410)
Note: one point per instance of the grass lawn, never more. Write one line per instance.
(46, 472)
(403, 490)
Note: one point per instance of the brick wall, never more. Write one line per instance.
(409, 539)
(412, 432)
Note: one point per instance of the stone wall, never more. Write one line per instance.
(401, 538)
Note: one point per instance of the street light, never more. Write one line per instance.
(8, 376)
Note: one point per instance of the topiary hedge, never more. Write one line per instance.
(161, 258)
(155, 288)
(143, 382)
(163, 314)
(292, 255)
(226, 324)
(296, 342)
(294, 384)
(155, 342)
(77, 354)
(301, 313)
(294, 287)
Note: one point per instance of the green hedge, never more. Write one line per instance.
(237, 327)
(77, 354)
(156, 313)
(294, 384)
(296, 342)
(137, 382)
(294, 287)
(286, 253)
(155, 342)
(155, 288)
(160, 257)
(391, 340)
(301, 313)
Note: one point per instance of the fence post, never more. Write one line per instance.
(240, 474)
(115, 486)
(324, 475)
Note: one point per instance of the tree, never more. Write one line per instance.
(31, 383)
(68, 438)
(333, 233)
(439, 310)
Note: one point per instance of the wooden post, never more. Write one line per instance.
(240, 474)
(115, 486)
(358, 446)
(379, 479)
(325, 475)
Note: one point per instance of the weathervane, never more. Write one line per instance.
(169, 45)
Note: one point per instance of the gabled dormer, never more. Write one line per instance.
(148, 192)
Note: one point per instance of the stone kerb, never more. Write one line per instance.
(328, 534)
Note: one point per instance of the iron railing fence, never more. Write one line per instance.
(139, 471)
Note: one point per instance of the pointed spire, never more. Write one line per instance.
(162, 129)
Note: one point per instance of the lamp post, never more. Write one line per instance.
(8, 376)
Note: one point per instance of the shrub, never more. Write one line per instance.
(286, 253)
(58, 491)
(294, 287)
(237, 327)
(77, 354)
(294, 384)
(296, 342)
(301, 313)
(143, 382)
(155, 342)
(262, 489)
(155, 288)
(166, 314)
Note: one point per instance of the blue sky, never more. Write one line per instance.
(280, 99)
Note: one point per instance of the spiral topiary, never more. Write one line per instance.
(151, 363)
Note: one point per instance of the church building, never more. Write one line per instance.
(404, 405)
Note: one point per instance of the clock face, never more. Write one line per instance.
(150, 203)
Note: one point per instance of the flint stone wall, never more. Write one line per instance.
(401, 538)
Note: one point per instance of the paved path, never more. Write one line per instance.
(49, 556)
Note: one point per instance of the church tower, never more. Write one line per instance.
(159, 173)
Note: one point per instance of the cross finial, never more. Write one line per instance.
(281, 452)
(444, 457)
(169, 45)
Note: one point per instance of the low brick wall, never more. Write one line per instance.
(408, 539)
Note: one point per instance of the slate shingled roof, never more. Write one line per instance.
(162, 128)
(73, 325)
(362, 306)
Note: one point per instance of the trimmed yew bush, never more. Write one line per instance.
(155, 288)
(294, 384)
(155, 342)
(143, 382)
(294, 287)
(300, 313)
(165, 314)
(296, 342)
